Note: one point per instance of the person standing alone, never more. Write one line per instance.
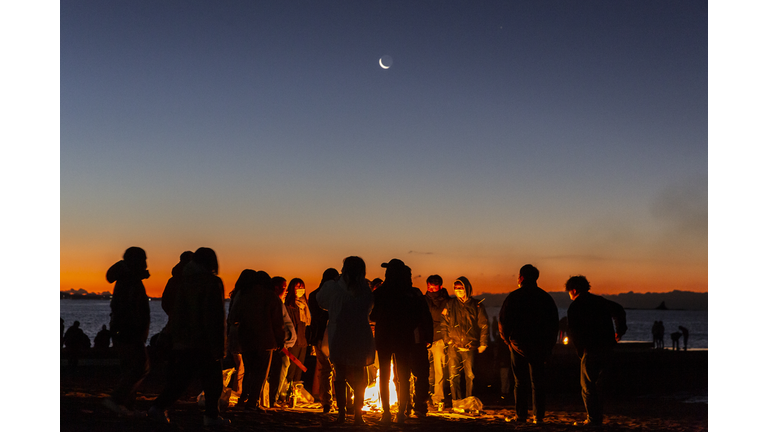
(529, 325)
(591, 320)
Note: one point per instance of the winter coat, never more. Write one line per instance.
(591, 320)
(465, 324)
(198, 313)
(529, 322)
(255, 321)
(299, 326)
(436, 302)
(129, 320)
(171, 289)
(424, 333)
(396, 312)
(289, 331)
(350, 339)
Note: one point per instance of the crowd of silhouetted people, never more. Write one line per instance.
(352, 328)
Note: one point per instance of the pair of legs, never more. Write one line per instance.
(594, 367)
(356, 377)
(134, 366)
(529, 377)
(256, 364)
(437, 363)
(458, 361)
(402, 362)
(188, 365)
(293, 373)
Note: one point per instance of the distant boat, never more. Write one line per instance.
(662, 306)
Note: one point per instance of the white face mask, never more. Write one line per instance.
(300, 293)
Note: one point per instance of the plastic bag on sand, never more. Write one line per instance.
(468, 404)
(226, 393)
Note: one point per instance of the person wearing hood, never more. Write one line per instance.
(529, 325)
(437, 297)
(198, 333)
(129, 325)
(465, 331)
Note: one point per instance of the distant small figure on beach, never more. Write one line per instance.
(658, 334)
(75, 341)
(129, 327)
(685, 337)
(596, 325)
(102, 339)
(676, 340)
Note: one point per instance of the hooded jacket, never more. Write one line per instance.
(129, 320)
(465, 324)
(198, 313)
(529, 321)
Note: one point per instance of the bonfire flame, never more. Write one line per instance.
(372, 393)
(565, 340)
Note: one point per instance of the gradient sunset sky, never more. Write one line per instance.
(569, 135)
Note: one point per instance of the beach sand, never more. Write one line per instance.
(82, 390)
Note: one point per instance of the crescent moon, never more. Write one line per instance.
(382, 64)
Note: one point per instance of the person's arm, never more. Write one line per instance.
(619, 319)
(482, 322)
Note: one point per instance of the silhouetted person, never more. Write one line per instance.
(591, 321)
(75, 341)
(395, 313)
(437, 297)
(684, 331)
(529, 324)
(278, 370)
(419, 360)
(349, 302)
(376, 283)
(465, 331)
(173, 285)
(198, 334)
(318, 337)
(129, 325)
(675, 340)
(661, 334)
(102, 339)
(255, 323)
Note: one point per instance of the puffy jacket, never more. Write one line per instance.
(256, 316)
(465, 324)
(198, 313)
(129, 320)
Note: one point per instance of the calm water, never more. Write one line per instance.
(92, 314)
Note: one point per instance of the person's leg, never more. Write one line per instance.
(359, 380)
(324, 379)
(538, 388)
(275, 368)
(438, 368)
(593, 366)
(385, 372)
(182, 373)
(454, 368)
(403, 365)
(213, 384)
(134, 365)
(468, 359)
(340, 387)
(420, 368)
(522, 389)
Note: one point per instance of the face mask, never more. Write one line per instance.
(300, 293)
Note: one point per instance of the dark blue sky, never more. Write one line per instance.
(572, 135)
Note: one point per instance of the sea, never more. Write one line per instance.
(93, 314)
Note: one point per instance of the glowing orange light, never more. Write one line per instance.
(372, 394)
(565, 340)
